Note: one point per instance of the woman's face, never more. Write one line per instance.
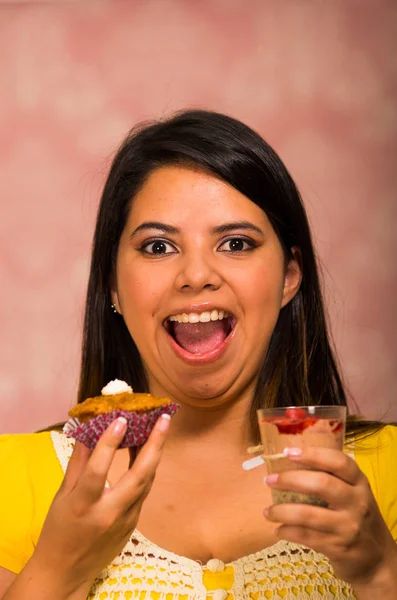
(200, 281)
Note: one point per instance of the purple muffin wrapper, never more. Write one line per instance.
(139, 426)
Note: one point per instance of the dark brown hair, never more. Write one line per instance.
(299, 367)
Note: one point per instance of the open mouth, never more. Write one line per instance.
(198, 336)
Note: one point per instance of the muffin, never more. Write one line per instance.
(89, 419)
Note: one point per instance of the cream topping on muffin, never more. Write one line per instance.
(116, 387)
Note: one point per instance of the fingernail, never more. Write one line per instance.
(292, 451)
(269, 479)
(164, 422)
(265, 512)
(120, 426)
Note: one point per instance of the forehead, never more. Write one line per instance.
(175, 194)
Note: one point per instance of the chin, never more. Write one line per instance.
(205, 395)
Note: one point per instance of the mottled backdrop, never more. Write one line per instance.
(317, 79)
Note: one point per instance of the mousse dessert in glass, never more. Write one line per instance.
(298, 427)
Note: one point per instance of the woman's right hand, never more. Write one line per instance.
(87, 524)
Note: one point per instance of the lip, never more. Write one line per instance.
(202, 359)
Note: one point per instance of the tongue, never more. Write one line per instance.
(200, 338)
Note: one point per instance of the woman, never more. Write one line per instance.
(199, 217)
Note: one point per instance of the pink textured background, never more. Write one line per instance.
(317, 79)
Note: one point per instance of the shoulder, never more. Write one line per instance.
(26, 451)
(30, 471)
(388, 435)
(21, 441)
(17, 448)
(382, 441)
(375, 450)
(29, 460)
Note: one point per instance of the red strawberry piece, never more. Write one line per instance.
(295, 421)
(295, 413)
(289, 425)
(336, 426)
(309, 421)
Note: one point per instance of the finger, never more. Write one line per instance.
(76, 466)
(335, 492)
(308, 538)
(93, 480)
(327, 459)
(307, 516)
(135, 484)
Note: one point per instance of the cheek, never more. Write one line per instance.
(139, 296)
(261, 290)
(143, 291)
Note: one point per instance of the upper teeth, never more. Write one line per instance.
(204, 317)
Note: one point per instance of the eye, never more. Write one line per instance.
(158, 248)
(237, 244)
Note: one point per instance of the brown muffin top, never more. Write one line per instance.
(91, 407)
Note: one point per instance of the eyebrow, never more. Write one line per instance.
(246, 225)
(225, 228)
(155, 225)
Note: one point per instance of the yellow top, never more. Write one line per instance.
(31, 470)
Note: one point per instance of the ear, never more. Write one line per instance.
(293, 276)
(113, 292)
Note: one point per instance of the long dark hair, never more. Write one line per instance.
(300, 366)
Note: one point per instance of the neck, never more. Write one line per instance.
(216, 422)
(226, 427)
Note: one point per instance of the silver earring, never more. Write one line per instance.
(113, 307)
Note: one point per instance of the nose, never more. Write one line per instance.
(196, 273)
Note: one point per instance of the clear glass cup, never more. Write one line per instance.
(298, 427)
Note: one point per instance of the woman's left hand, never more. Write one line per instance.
(351, 531)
